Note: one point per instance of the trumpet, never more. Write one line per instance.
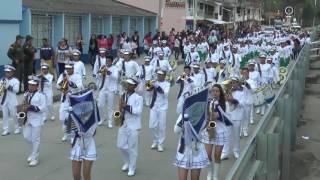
(65, 85)
(2, 86)
(149, 85)
(211, 126)
(184, 76)
(103, 70)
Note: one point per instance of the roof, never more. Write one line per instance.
(100, 7)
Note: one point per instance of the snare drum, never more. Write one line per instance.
(258, 96)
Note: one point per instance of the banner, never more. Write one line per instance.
(84, 112)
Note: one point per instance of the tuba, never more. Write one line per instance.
(22, 110)
(212, 124)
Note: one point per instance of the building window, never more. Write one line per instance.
(133, 25)
(147, 25)
(116, 26)
(72, 28)
(41, 28)
(97, 25)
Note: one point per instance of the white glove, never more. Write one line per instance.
(70, 108)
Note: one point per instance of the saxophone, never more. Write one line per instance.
(22, 110)
(212, 124)
(119, 115)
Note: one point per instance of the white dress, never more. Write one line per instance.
(84, 149)
(194, 156)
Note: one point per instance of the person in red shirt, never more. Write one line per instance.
(102, 42)
(109, 42)
(147, 42)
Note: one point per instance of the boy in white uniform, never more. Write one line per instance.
(128, 133)
(34, 122)
(146, 74)
(46, 88)
(9, 100)
(158, 110)
(79, 67)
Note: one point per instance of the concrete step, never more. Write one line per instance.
(312, 77)
(312, 89)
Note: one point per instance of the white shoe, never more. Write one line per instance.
(251, 121)
(258, 111)
(216, 168)
(29, 159)
(110, 124)
(125, 167)
(33, 163)
(17, 131)
(236, 155)
(64, 138)
(160, 148)
(224, 156)
(245, 134)
(154, 146)
(5, 133)
(52, 118)
(131, 173)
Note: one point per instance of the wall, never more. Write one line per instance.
(150, 5)
(10, 17)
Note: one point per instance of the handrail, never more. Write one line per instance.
(266, 119)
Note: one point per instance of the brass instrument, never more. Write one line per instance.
(103, 70)
(22, 110)
(149, 85)
(65, 85)
(2, 86)
(211, 126)
(184, 76)
(118, 115)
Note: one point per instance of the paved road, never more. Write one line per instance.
(54, 163)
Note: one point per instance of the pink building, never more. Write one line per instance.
(173, 15)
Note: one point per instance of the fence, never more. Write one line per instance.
(266, 156)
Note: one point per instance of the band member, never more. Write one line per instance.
(234, 62)
(217, 109)
(186, 85)
(46, 88)
(107, 89)
(161, 63)
(222, 75)
(146, 74)
(192, 157)
(248, 102)
(235, 98)
(68, 82)
(197, 77)
(194, 55)
(166, 50)
(225, 52)
(209, 73)
(79, 67)
(274, 75)
(254, 76)
(10, 87)
(203, 48)
(36, 105)
(100, 61)
(47, 56)
(158, 110)
(128, 133)
(153, 51)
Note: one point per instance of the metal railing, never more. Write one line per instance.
(266, 154)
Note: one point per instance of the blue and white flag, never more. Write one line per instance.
(84, 113)
(195, 115)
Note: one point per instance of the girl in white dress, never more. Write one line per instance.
(191, 157)
(218, 106)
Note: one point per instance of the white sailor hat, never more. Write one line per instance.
(102, 50)
(234, 78)
(76, 52)
(9, 68)
(215, 60)
(33, 80)
(44, 66)
(223, 61)
(164, 41)
(69, 65)
(196, 65)
(132, 81)
(234, 47)
(263, 55)
(126, 52)
(192, 46)
(147, 58)
(160, 53)
(154, 42)
(269, 58)
(161, 72)
(252, 62)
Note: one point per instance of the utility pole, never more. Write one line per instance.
(314, 13)
(160, 14)
(195, 14)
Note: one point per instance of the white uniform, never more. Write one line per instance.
(75, 85)
(236, 116)
(209, 74)
(79, 68)
(247, 107)
(9, 103)
(46, 89)
(222, 75)
(198, 80)
(234, 64)
(153, 53)
(128, 69)
(100, 62)
(185, 86)
(195, 58)
(167, 52)
(106, 94)
(158, 111)
(266, 73)
(128, 133)
(147, 74)
(32, 129)
(163, 65)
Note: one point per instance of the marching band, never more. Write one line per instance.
(241, 75)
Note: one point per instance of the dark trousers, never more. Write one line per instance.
(19, 74)
(61, 68)
(28, 70)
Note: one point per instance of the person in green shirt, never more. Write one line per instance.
(29, 57)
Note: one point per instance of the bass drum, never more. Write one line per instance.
(258, 96)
